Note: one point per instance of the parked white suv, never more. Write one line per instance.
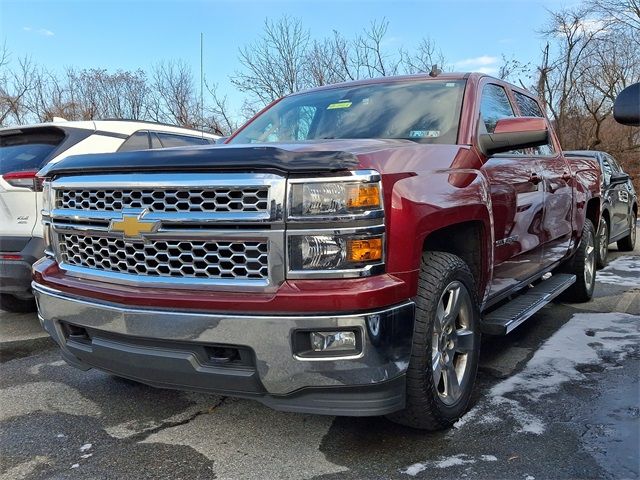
(25, 150)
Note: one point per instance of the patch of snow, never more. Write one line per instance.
(446, 462)
(529, 477)
(85, 447)
(613, 273)
(60, 435)
(581, 341)
(470, 415)
(75, 465)
(86, 455)
(35, 370)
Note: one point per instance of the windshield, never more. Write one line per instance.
(423, 111)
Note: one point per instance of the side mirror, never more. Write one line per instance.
(626, 109)
(514, 133)
(618, 178)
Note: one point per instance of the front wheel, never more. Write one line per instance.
(583, 266)
(603, 243)
(446, 344)
(628, 243)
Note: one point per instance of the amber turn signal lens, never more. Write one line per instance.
(364, 250)
(363, 196)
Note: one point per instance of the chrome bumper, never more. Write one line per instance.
(153, 346)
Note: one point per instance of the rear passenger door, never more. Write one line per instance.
(619, 198)
(557, 227)
(517, 199)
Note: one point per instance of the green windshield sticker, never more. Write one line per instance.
(341, 104)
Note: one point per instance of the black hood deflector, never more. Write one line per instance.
(222, 157)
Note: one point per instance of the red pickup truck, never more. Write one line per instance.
(342, 254)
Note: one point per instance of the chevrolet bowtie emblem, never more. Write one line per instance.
(133, 226)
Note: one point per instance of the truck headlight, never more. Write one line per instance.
(358, 195)
(335, 252)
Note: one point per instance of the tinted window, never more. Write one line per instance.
(137, 141)
(173, 140)
(530, 108)
(426, 112)
(155, 141)
(607, 171)
(27, 150)
(615, 166)
(494, 106)
(527, 105)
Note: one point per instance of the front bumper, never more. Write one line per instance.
(172, 349)
(15, 275)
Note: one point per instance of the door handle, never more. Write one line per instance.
(534, 178)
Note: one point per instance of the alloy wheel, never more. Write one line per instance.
(603, 239)
(590, 260)
(452, 343)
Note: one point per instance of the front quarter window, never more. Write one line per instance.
(422, 111)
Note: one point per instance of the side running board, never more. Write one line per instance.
(507, 317)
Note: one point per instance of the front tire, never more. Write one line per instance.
(628, 243)
(583, 266)
(602, 246)
(446, 344)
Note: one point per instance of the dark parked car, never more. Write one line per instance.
(619, 206)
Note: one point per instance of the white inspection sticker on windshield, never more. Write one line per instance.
(424, 133)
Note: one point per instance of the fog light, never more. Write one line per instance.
(333, 341)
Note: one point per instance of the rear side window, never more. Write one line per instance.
(28, 150)
(527, 105)
(137, 141)
(607, 170)
(494, 106)
(173, 140)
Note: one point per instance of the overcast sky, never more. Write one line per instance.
(136, 34)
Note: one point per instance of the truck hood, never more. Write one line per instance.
(317, 156)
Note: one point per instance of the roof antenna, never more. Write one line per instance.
(435, 71)
(201, 84)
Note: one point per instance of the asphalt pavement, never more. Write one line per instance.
(558, 398)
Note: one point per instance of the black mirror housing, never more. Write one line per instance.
(618, 178)
(626, 109)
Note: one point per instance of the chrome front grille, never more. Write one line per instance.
(222, 231)
(168, 258)
(220, 199)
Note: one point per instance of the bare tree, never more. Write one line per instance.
(274, 65)
(572, 31)
(174, 95)
(424, 58)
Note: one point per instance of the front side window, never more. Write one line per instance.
(494, 106)
(529, 108)
(422, 111)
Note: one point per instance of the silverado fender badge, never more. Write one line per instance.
(507, 240)
(132, 225)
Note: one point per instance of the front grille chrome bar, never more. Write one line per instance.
(209, 242)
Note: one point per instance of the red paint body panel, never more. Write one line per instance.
(294, 296)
